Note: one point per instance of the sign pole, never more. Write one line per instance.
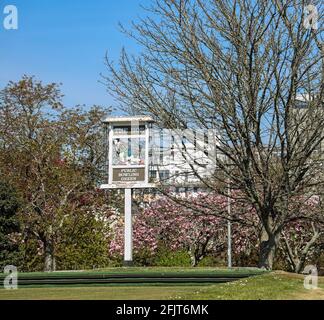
(229, 230)
(128, 248)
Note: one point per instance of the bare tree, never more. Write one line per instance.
(238, 67)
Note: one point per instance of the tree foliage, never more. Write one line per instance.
(52, 155)
(9, 225)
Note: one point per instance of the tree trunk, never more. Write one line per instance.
(193, 255)
(197, 253)
(300, 266)
(50, 263)
(297, 261)
(194, 261)
(268, 248)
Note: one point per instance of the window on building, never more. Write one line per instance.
(164, 174)
(153, 174)
(161, 147)
(206, 144)
(184, 143)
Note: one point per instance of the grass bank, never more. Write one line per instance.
(267, 286)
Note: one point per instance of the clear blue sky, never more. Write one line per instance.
(66, 41)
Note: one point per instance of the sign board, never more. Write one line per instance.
(128, 152)
(128, 175)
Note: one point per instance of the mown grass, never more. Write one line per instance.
(268, 286)
(145, 270)
(97, 293)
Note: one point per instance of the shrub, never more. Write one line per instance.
(169, 258)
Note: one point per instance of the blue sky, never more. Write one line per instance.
(66, 41)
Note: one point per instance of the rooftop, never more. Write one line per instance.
(128, 119)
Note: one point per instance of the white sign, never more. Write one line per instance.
(128, 152)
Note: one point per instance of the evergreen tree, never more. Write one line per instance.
(9, 225)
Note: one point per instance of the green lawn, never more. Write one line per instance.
(271, 286)
(275, 285)
(97, 293)
(146, 270)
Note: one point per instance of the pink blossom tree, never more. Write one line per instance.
(199, 229)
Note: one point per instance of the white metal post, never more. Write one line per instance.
(147, 138)
(128, 240)
(229, 230)
(110, 153)
(229, 246)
